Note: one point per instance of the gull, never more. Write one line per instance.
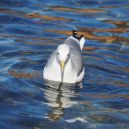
(65, 64)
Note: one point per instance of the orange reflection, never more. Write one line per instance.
(76, 10)
(36, 15)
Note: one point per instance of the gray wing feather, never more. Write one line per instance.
(75, 54)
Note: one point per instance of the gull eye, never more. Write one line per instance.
(68, 55)
(58, 53)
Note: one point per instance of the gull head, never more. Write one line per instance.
(63, 54)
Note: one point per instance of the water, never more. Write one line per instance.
(30, 31)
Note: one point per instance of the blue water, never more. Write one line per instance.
(30, 30)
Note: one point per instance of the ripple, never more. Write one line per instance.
(30, 31)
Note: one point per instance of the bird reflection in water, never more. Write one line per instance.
(59, 97)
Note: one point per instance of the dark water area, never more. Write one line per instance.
(30, 30)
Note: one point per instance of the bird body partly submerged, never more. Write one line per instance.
(65, 63)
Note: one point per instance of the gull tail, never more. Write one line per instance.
(81, 38)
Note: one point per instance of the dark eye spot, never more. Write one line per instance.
(68, 55)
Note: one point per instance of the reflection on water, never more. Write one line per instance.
(30, 31)
(59, 97)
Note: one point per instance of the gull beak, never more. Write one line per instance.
(62, 65)
(62, 70)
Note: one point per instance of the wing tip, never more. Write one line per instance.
(75, 35)
(80, 38)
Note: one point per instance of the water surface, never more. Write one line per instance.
(30, 31)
